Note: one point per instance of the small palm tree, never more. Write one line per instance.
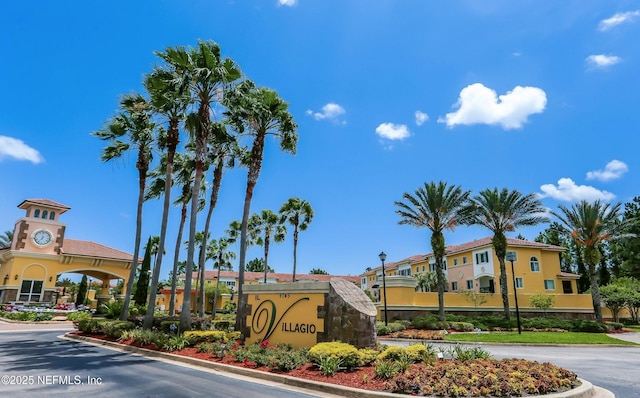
(426, 280)
(131, 129)
(298, 213)
(267, 227)
(502, 211)
(438, 207)
(590, 225)
(222, 257)
(6, 239)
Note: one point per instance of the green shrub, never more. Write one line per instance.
(367, 356)
(385, 369)
(112, 309)
(229, 307)
(392, 353)
(463, 353)
(462, 326)
(175, 343)
(77, 316)
(429, 322)
(329, 365)
(172, 327)
(115, 329)
(584, 325)
(91, 326)
(215, 349)
(197, 336)
(284, 360)
(614, 325)
(222, 324)
(346, 353)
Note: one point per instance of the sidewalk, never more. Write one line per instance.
(632, 337)
(18, 326)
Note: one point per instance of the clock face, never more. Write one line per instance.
(42, 237)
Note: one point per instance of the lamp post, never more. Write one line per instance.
(383, 257)
(511, 257)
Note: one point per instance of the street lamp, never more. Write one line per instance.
(511, 257)
(383, 257)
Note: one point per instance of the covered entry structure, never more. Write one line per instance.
(39, 252)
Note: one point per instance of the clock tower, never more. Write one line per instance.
(40, 230)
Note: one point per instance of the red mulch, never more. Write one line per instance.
(362, 378)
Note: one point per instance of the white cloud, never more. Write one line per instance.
(17, 149)
(602, 61)
(288, 3)
(617, 19)
(421, 117)
(392, 131)
(478, 104)
(329, 111)
(613, 170)
(567, 190)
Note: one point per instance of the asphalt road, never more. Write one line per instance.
(615, 368)
(38, 363)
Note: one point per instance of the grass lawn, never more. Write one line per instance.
(536, 337)
(635, 328)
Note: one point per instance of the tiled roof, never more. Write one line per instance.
(280, 277)
(453, 249)
(44, 202)
(91, 249)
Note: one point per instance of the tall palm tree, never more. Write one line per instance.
(256, 112)
(208, 76)
(299, 213)
(265, 227)
(222, 257)
(438, 207)
(502, 211)
(169, 97)
(590, 225)
(222, 151)
(131, 129)
(6, 239)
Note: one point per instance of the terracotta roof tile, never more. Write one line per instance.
(280, 277)
(45, 202)
(91, 249)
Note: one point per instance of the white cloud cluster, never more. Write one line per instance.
(568, 191)
(613, 170)
(617, 19)
(421, 117)
(602, 61)
(17, 149)
(392, 131)
(478, 104)
(287, 3)
(329, 111)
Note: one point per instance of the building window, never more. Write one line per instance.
(515, 255)
(464, 259)
(405, 272)
(45, 214)
(567, 288)
(423, 268)
(519, 283)
(469, 284)
(482, 258)
(36, 213)
(549, 284)
(455, 261)
(454, 286)
(30, 290)
(52, 215)
(535, 265)
(432, 267)
(444, 265)
(417, 269)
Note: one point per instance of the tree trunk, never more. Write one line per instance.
(142, 178)
(500, 245)
(438, 247)
(266, 256)
(148, 317)
(176, 258)
(215, 296)
(295, 251)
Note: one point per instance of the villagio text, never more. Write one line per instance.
(298, 327)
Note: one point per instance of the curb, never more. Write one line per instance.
(481, 343)
(585, 390)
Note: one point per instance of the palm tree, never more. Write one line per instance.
(590, 225)
(142, 287)
(299, 213)
(6, 239)
(222, 260)
(257, 112)
(265, 227)
(208, 76)
(502, 211)
(222, 151)
(169, 97)
(133, 124)
(425, 280)
(438, 207)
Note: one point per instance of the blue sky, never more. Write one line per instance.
(539, 96)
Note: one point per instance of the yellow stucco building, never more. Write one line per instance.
(474, 267)
(39, 252)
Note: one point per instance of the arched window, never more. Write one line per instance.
(52, 215)
(535, 265)
(36, 213)
(44, 214)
